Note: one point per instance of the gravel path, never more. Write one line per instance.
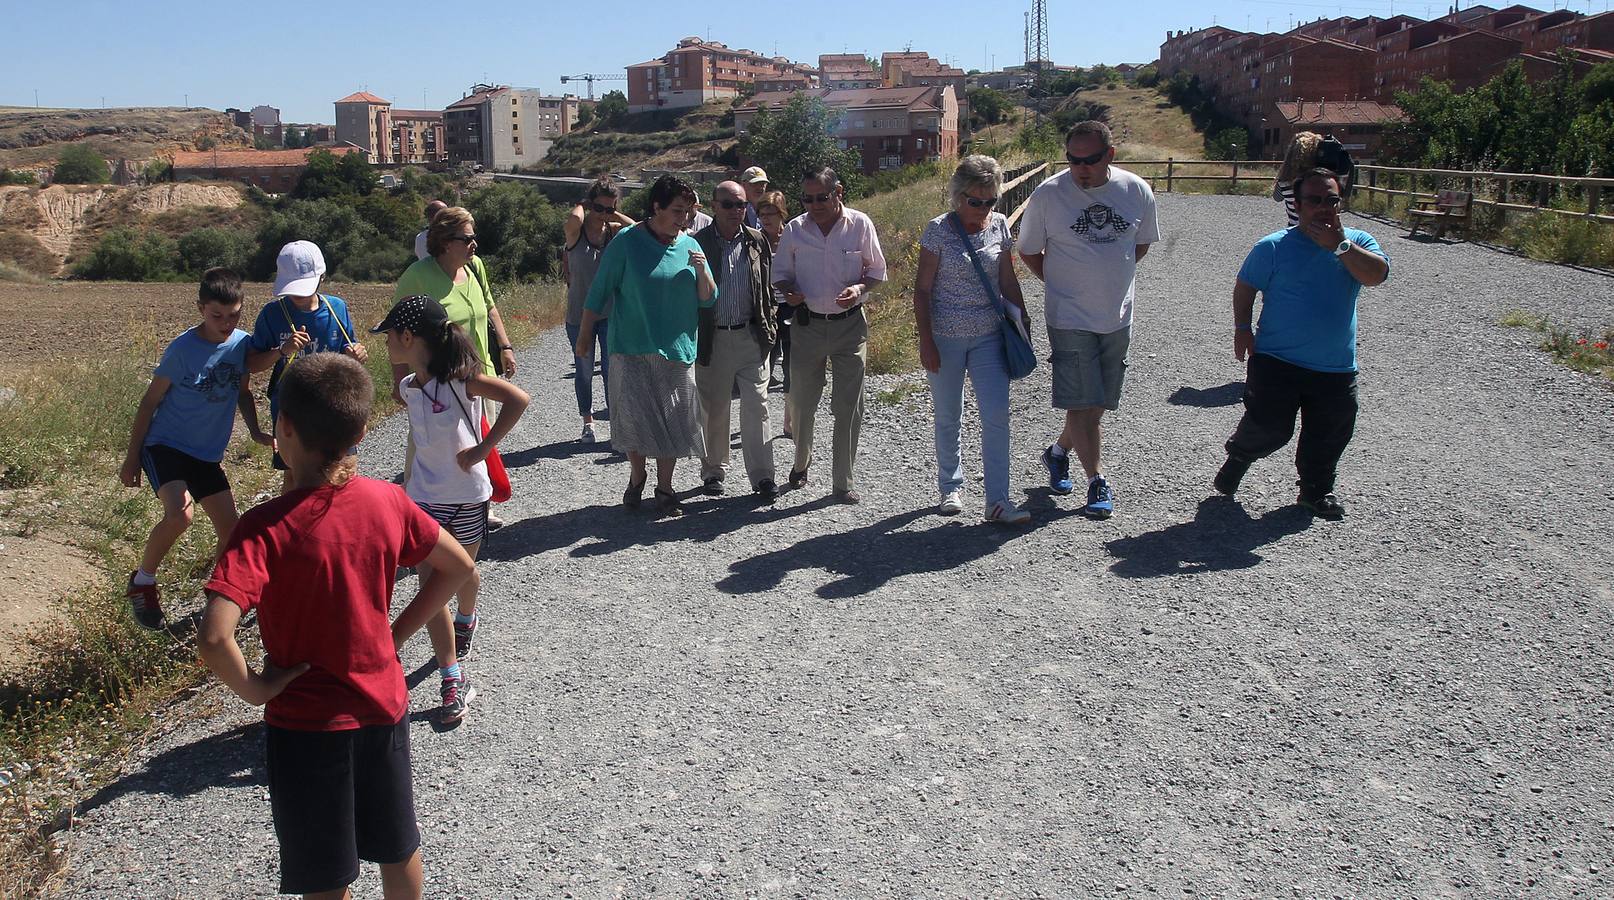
(1195, 696)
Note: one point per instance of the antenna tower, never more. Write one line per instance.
(1039, 39)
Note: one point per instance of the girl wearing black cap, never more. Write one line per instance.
(443, 392)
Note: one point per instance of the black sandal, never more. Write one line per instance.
(635, 491)
(667, 502)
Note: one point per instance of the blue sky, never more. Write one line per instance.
(300, 56)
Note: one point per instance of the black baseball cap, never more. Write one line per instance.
(417, 313)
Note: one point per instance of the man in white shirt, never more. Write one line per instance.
(432, 209)
(828, 260)
(1083, 233)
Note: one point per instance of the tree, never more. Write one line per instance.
(80, 164)
(518, 231)
(330, 176)
(612, 108)
(293, 137)
(585, 115)
(987, 105)
(125, 254)
(203, 248)
(798, 138)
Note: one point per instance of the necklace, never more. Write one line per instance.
(437, 406)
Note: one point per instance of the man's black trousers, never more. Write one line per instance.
(1326, 401)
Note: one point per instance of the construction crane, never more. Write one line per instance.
(591, 78)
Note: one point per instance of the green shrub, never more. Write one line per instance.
(204, 248)
(1556, 238)
(336, 227)
(7, 176)
(126, 254)
(80, 164)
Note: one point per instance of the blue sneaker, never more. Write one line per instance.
(1100, 500)
(1058, 471)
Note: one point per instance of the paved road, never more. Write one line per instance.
(1198, 695)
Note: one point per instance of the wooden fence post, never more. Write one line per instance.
(1594, 196)
(1170, 163)
(1235, 176)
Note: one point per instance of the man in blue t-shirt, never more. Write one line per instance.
(1302, 352)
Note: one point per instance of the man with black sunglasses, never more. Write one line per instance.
(732, 341)
(1083, 233)
(829, 258)
(1302, 353)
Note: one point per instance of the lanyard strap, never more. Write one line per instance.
(980, 270)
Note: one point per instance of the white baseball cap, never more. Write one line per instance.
(298, 269)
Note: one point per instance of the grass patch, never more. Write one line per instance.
(900, 216)
(894, 396)
(65, 723)
(1584, 351)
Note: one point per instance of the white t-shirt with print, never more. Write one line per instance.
(1088, 239)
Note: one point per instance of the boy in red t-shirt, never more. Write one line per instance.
(317, 563)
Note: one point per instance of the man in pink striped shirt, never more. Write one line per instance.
(828, 260)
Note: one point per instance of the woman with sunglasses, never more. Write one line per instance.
(771, 215)
(657, 279)
(957, 318)
(585, 243)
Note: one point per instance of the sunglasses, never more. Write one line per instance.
(601, 208)
(731, 204)
(1093, 160)
(978, 202)
(1321, 200)
(467, 238)
(810, 199)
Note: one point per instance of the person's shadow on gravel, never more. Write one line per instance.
(562, 450)
(1221, 536)
(232, 759)
(1229, 394)
(867, 558)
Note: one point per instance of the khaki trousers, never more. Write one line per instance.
(843, 343)
(736, 359)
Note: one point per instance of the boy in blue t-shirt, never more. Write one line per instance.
(298, 322)
(182, 427)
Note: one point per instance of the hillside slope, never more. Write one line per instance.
(31, 137)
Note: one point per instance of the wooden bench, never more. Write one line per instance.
(1450, 210)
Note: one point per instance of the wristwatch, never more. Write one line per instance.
(1343, 248)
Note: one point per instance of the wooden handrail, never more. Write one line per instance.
(1498, 176)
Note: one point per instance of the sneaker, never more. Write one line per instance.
(588, 433)
(457, 695)
(1100, 499)
(1007, 513)
(462, 638)
(951, 504)
(1229, 476)
(1325, 507)
(712, 487)
(1058, 471)
(494, 522)
(143, 602)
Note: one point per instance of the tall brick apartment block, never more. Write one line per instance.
(888, 127)
(699, 71)
(1262, 80)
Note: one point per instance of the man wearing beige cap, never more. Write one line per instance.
(755, 182)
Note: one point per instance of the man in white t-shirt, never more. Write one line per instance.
(432, 209)
(1083, 233)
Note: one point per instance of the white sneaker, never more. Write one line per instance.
(1007, 513)
(951, 504)
(588, 433)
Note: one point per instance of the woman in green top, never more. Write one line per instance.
(453, 276)
(660, 280)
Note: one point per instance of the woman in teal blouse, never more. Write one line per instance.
(660, 280)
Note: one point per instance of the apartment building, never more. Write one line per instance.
(362, 119)
(699, 71)
(500, 127)
(888, 127)
(847, 72)
(415, 136)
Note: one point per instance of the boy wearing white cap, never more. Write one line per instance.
(299, 321)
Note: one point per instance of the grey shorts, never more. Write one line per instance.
(1088, 367)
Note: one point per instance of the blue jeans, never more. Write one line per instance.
(583, 377)
(982, 358)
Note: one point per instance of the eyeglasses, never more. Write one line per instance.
(467, 238)
(1093, 160)
(731, 204)
(1331, 200)
(602, 208)
(978, 202)
(810, 199)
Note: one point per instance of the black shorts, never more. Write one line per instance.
(163, 464)
(339, 797)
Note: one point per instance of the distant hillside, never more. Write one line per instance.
(693, 139)
(1145, 124)
(42, 229)
(31, 137)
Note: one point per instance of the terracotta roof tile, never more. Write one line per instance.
(364, 97)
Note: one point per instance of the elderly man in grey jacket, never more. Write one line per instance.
(733, 340)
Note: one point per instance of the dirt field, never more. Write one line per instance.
(41, 322)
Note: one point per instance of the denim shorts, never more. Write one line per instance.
(1088, 367)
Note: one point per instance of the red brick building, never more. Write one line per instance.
(274, 171)
(1358, 124)
(699, 71)
(847, 72)
(888, 127)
